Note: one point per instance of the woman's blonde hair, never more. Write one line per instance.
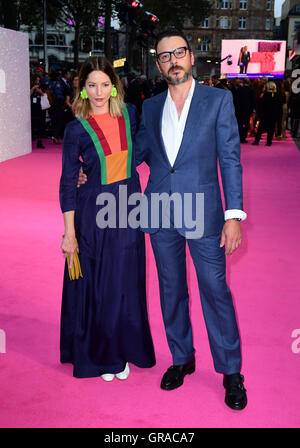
(81, 107)
(271, 87)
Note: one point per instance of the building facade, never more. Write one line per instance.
(60, 46)
(230, 19)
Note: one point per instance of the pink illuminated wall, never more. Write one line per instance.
(15, 125)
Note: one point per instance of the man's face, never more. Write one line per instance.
(176, 71)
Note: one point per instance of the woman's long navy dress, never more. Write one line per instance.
(104, 320)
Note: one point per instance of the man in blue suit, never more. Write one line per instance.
(184, 132)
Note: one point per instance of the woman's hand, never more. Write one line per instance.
(82, 178)
(69, 245)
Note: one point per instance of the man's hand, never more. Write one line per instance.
(82, 178)
(231, 236)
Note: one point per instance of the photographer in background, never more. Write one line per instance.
(37, 117)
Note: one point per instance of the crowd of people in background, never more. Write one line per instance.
(60, 88)
(261, 105)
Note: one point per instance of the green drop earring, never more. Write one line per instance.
(84, 94)
(114, 92)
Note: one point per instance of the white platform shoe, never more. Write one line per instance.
(121, 375)
(108, 376)
(124, 375)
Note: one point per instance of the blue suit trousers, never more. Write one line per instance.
(169, 249)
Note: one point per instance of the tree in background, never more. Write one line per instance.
(83, 17)
(8, 14)
(80, 15)
(14, 13)
(177, 12)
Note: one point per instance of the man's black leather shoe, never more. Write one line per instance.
(235, 397)
(174, 376)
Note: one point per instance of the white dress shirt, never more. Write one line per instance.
(172, 134)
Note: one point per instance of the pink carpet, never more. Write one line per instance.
(37, 391)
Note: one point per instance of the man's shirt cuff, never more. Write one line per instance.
(230, 214)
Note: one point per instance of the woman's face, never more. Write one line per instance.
(37, 81)
(98, 86)
(75, 82)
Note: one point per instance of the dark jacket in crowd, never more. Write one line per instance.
(270, 108)
(294, 105)
(245, 98)
(134, 94)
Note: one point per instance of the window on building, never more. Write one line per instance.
(268, 23)
(224, 4)
(242, 23)
(98, 45)
(204, 23)
(224, 22)
(243, 4)
(203, 44)
(86, 44)
(61, 39)
(269, 5)
(296, 26)
(51, 39)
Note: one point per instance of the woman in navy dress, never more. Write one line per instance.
(104, 320)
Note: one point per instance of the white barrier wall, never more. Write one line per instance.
(15, 121)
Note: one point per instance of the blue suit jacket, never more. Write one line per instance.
(211, 134)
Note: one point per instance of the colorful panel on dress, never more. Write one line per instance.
(129, 140)
(99, 149)
(104, 143)
(123, 133)
(114, 166)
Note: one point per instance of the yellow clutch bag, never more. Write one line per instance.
(75, 270)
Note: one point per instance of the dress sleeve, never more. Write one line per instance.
(134, 118)
(70, 170)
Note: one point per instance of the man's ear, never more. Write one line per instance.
(192, 58)
(157, 65)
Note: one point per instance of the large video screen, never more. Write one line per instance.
(253, 58)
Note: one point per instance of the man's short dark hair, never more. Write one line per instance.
(65, 71)
(170, 32)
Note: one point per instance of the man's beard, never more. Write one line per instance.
(177, 81)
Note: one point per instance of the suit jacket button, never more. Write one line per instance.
(172, 171)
